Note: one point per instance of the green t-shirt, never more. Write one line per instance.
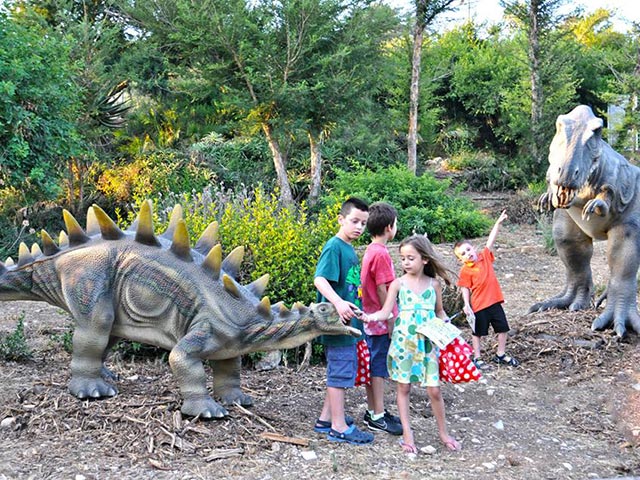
(340, 265)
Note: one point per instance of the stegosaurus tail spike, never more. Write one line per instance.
(264, 307)
(232, 263)
(35, 251)
(257, 287)
(63, 239)
(9, 262)
(180, 246)
(213, 261)
(144, 232)
(106, 226)
(48, 246)
(230, 286)
(74, 230)
(92, 223)
(176, 216)
(24, 255)
(208, 239)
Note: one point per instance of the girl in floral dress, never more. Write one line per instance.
(412, 357)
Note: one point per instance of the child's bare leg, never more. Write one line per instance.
(476, 346)
(402, 397)
(502, 343)
(437, 406)
(375, 395)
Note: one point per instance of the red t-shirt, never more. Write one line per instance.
(481, 280)
(377, 269)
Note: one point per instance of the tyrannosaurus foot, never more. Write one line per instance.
(83, 387)
(619, 322)
(203, 406)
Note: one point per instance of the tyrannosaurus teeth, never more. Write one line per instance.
(9, 262)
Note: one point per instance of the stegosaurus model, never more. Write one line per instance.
(158, 290)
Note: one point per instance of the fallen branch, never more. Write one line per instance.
(276, 437)
(257, 417)
(224, 453)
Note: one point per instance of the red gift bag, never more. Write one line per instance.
(363, 377)
(455, 363)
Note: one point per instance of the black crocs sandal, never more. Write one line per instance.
(351, 435)
(323, 426)
(506, 360)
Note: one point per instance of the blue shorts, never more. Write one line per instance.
(379, 349)
(342, 365)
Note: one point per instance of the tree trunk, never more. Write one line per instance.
(286, 197)
(315, 145)
(537, 96)
(414, 95)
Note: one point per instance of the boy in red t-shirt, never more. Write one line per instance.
(376, 274)
(483, 297)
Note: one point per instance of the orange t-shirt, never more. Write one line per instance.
(481, 280)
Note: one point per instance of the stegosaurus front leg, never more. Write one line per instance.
(226, 382)
(91, 339)
(185, 360)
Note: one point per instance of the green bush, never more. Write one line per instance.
(14, 346)
(486, 172)
(424, 204)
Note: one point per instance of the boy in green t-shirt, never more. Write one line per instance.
(337, 279)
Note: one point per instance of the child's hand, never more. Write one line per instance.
(503, 216)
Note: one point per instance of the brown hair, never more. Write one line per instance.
(435, 267)
(381, 216)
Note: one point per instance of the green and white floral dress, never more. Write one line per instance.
(412, 357)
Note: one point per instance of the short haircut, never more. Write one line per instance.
(381, 216)
(459, 243)
(351, 203)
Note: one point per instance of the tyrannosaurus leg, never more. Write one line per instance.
(575, 249)
(623, 252)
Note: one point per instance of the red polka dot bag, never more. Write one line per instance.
(363, 377)
(456, 365)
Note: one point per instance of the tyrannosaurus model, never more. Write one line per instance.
(594, 192)
(158, 290)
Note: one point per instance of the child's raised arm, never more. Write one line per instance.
(494, 230)
(387, 308)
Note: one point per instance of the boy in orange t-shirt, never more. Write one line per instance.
(483, 297)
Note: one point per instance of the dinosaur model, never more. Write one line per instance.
(158, 290)
(594, 192)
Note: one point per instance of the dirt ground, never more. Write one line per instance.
(570, 411)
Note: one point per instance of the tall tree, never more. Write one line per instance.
(426, 13)
(539, 19)
(279, 68)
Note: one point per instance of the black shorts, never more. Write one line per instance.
(494, 316)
